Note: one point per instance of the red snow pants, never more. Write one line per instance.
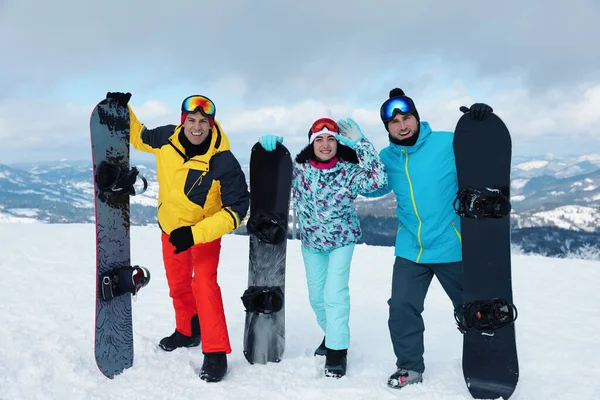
(192, 279)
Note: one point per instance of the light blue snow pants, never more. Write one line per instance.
(327, 276)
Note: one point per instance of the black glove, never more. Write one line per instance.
(182, 239)
(478, 111)
(122, 98)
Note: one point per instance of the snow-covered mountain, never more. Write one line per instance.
(548, 191)
(63, 192)
(572, 217)
(557, 166)
(561, 194)
(551, 183)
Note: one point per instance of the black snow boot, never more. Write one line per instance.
(214, 366)
(335, 363)
(321, 350)
(178, 339)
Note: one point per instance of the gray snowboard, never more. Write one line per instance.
(270, 185)
(109, 127)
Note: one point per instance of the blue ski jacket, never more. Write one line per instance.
(423, 178)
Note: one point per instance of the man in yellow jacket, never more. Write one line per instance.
(202, 196)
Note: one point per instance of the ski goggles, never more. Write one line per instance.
(194, 103)
(402, 105)
(322, 125)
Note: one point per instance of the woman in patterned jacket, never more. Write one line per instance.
(337, 165)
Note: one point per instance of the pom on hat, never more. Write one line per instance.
(396, 92)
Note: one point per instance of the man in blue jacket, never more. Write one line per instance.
(422, 173)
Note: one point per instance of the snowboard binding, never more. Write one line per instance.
(486, 315)
(263, 299)
(486, 203)
(114, 179)
(267, 228)
(119, 281)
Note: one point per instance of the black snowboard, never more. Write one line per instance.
(109, 127)
(483, 151)
(270, 185)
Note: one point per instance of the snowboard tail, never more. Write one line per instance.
(264, 300)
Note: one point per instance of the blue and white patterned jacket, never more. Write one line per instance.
(324, 197)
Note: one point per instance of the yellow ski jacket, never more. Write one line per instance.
(207, 192)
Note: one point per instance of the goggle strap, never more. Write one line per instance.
(314, 135)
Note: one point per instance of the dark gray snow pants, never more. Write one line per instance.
(410, 282)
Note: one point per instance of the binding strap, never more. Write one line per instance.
(114, 179)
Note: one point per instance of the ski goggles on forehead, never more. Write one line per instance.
(402, 105)
(194, 103)
(324, 125)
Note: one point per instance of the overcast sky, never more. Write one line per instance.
(275, 66)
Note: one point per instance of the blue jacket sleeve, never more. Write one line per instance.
(378, 193)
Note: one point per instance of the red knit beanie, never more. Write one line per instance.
(211, 120)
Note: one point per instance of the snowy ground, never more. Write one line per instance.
(47, 328)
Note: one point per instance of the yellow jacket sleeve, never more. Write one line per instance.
(235, 200)
(215, 226)
(136, 129)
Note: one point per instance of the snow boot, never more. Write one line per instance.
(178, 339)
(335, 363)
(214, 366)
(404, 377)
(321, 350)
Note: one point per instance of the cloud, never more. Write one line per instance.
(274, 66)
(154, 110)
(288, 51)
(556, 122)
(47, 130)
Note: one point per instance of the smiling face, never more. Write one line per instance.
(325, 147)
(402, 127)
(196, 128)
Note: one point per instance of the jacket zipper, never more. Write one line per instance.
(412, 196)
